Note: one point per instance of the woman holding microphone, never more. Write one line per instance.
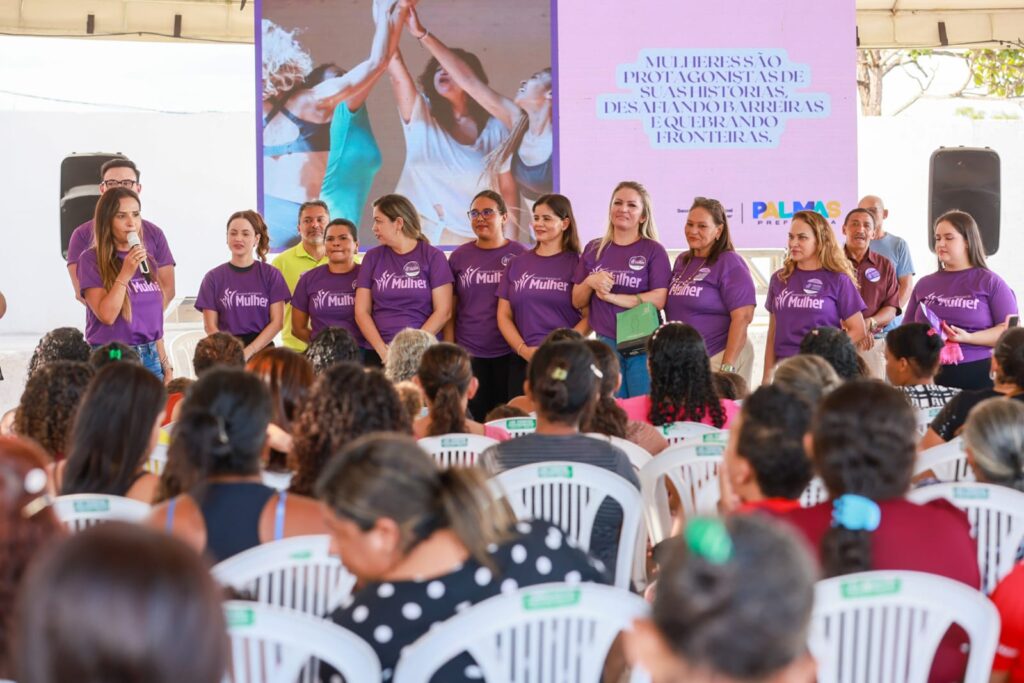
(624, 269)
(405, 282)
(117, 280)
(712, 289)
(245, 297)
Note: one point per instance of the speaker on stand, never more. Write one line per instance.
(79, 191)
(967, 179)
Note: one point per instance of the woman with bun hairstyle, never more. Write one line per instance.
(213, 495)
(245, 296)
(969, 302)
(911, 362)
(624, 269)
(816, 287)
(712, 289)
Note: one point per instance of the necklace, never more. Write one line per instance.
(687, 280)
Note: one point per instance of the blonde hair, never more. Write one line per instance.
(395, 206)
(830, 253)
(285, 63)
(648, 230)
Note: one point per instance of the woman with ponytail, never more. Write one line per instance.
(911, 363)
(213, 495)
(425, 543)
(446, 378)
(862, 446)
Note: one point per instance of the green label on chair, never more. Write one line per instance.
(867, 588)
(715, 437)
(242, 616)
(555, 472)
(100, 505)
(706, 451)
(516, 423)
(551, 599)
(301, 555)
(968, 493)
(454, 442)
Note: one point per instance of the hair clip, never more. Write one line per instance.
(597, 371)
(114, 354)
(931, 332)
(708, 538)
(856, 513)
(35, 483)
(222, 433)
(560, 374)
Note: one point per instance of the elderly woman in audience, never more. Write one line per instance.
(332, 345)
(424, 543)
(48, 404)
(808, 376)
(708, 623)
(115, 430)
(213, 495)
(120, 603)
(911, 362)
(862, 445)
(405, 353)
(289, 376)
(834, 346)
(446, 377)
(345, 403)
(27, 525)
(63, 343)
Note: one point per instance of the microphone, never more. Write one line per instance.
(134, 241)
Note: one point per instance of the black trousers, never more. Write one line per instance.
(493, 376)
(973, 375)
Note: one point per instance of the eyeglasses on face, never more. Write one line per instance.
(109, 184)
(485, 213)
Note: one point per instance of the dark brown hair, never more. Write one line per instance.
(606, 417)
(49, 402)
(445, 375)
(718, 217)
(219, 348)
(440, 108)
(259, 226)
(562, 207)
(965, 224)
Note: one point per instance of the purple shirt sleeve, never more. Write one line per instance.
(502, 292)
(88, 271)
(660, 268)
(774, 285)
(206, 300)
(913, 310)
(848, 299)
(737, 285)
(364, 279)
(300, 298)
(79, 242)
(440, 273)
(1002, 302)
(585, 262)
(161, 250)
(278, 287)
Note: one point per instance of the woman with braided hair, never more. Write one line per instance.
(446, 378)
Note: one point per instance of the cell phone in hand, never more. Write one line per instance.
(1013, 321)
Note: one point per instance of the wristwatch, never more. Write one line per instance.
(727, 367)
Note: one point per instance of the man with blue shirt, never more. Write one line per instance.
(893, 248)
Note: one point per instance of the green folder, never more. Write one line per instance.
(634, 326)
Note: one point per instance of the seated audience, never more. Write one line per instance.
(332, 345)
(731, 385)
(411, 396)
(405, 352)
(213, 495)
(119, 602)
(911, 363)
(834, 345)
(807, 376)
(423, 542)
(346, 402)
(48, 404)
(63, 343)
(114, 352)
(216, 350)
(504, 411)
(709, 622)
(27, 526)
(289, 376)
(446, 377)
(563, 385)
(115, 430)
(607, 417)
(176, 389)
(682, 386)
(523, 402)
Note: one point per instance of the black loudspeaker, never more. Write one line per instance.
(968, 179)
(79, 191)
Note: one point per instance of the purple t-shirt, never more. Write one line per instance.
(242, 296)
(329, 299)
(637, 268)
(704, 296)
(401, 285)
(147, 301)
(477, 273)
(809, 299)
(152, 237)
(539, 290)
(973, 299)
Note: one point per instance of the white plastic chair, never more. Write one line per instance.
(814, 493)
(271, 644)
(550, 633)
(516, 426)
(183, 348)
(79, 511)
(885, 626)
(925, 417)
(298, 573)
(948, 461)
(456, 450)
(678, 432)
(279, 481)
(996, 514)
(638, 456)
(568, 495)
(693, 472)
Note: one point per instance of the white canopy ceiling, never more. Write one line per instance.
(880, 23)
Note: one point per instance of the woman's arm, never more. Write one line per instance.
(269, 332)
(300, 324)
(403, 86)
(583, 326)
(165, 276)
(3, 305)
(769, 351)
(106, 304)
(597, 282)
(508, 329)
(448, 333)
(854, 326)
(930, 438)
(655, 296)
(165, 361)
(441, 298)
(739, 321)
(364, 320)
(986, 337)
(211, 321)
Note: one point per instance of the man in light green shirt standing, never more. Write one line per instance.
(309, 253)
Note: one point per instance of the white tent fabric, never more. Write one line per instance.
(937, 23)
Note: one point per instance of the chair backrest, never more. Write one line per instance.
(638, 456)
(947, 461)
(183, 348)
(271, 644)
(157, 461)
(814, 493)
(997, 522)
(678, 432)
(456, 450)
(693, 472)
(925, 417)
(516, 426)
(568, 495)
(885, 626)
(297, 572)
(279, 481)
(80, 511)
(547, 633)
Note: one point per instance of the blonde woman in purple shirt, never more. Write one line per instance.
(816, 287)
(971, 302)
(625, 268)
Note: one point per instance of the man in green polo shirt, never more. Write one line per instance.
(306, 255)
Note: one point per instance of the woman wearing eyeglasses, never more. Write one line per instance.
(477, 268)
(712, 289)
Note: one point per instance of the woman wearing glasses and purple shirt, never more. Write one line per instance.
(712, 289)
(477, 267)
(625, 268)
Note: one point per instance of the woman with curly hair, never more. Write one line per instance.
(49, 402)
(682, 384)
(62, 343)
(446, 377)
(835, 347)
(405, 354)
(345, 403)
(289, 376)
(816, 287)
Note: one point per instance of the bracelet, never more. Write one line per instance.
(727, 367)
(420, 38)
(123, 284)
(520, 348)
(639, 300)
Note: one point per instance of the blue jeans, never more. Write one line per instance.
(635, 379)
(148, 354)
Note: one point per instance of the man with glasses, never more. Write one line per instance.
(123, 173)
(309, 253)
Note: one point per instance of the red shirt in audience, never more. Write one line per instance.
(1009, 598)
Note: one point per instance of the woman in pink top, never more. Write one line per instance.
(682, 384)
